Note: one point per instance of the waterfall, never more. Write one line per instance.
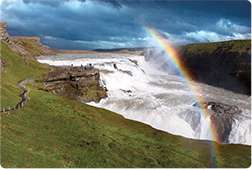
(140, 91)
(205, 127)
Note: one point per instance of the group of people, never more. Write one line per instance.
(85, 67)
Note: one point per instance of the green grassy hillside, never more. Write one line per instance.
(239, 46)
(33, 46)
(16, 68)
(51, 131)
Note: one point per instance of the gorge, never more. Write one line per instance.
(140, 91)
(52, 129)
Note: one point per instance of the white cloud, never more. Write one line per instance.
(50, 38)
(73, 4)
(242, 36)
(200, 36)
(230, 27)
(7, 4)
(207, 36)
(203, 36)
(177, 39)
(227, 30)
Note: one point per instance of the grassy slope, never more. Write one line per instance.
(240, 46)
(16, 70)
(56, 132)
(33, 46)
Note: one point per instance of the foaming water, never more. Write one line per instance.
(140, 92)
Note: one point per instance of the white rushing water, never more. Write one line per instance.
(139, 91)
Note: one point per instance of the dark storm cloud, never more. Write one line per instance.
(119, 23)
(56, 3)
(53, 3)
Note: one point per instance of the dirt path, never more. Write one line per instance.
(23, 97)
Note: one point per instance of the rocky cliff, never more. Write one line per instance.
(221, 64)
(223, 117)
(80, 83)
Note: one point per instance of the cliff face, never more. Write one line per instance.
(223, 117)
(80, 83)
(222, 64)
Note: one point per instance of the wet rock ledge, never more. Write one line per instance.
(223, 117)
(80, 83)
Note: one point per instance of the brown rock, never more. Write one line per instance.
(81, 83)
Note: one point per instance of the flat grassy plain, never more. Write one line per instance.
(52, 131)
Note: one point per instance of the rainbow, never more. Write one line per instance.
(189, 79)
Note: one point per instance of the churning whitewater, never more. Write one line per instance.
(138, 90)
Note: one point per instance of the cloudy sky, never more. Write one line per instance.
(92, 24)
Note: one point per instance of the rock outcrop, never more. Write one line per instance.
(81, 83)
(222, 118)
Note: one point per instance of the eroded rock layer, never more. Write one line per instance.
(81, 83)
